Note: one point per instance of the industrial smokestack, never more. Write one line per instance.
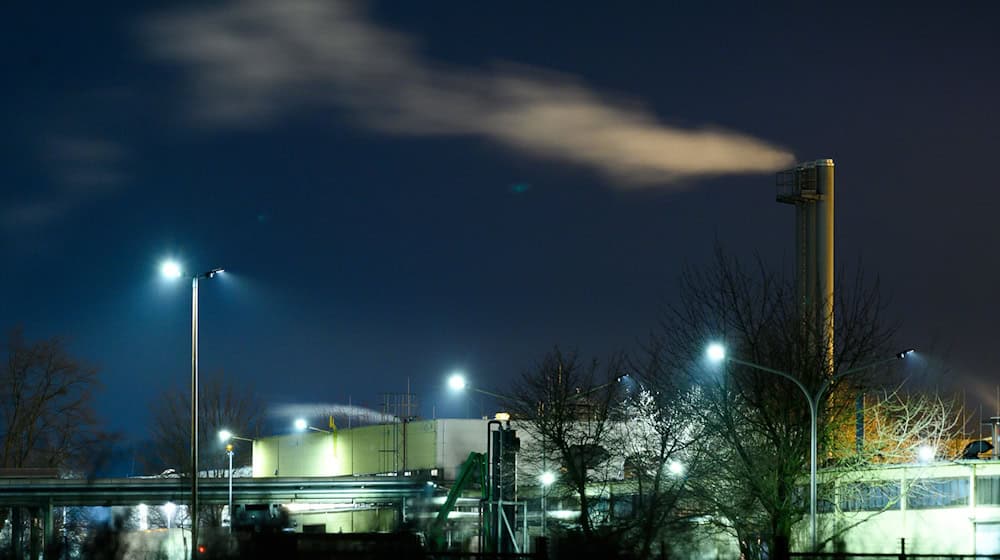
(810, 188)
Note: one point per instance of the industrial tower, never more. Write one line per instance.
(809, 186)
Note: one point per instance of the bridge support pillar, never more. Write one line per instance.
(34, 542)
(48, 530)
(16, 544)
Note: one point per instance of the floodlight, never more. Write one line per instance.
(547, 478)
(170, 269)
(716, 352)
(457, 382)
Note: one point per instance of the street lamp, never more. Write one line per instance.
(457, 383)
(546, 479)
(229, 452)
(301, 425)
(716, 353)
(926, 453)
(172, 270)
(225, 436)
(169, 509)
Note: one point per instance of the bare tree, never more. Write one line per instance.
(223, 405)
(659, 438)
(758, 423)
(899, 428)
(565, 406)
(47, 418)
(46, 405)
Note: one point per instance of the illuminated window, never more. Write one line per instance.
(988, 490)
(938, 492)
(869, 496)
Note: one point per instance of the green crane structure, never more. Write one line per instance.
(473, 470)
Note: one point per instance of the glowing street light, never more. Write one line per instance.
(225, 436)
(926, 453)
(456, 382)
(676, 468)
(546, 479)
(301, 425)
(169, 509)
(229, 453)
(716, 353)
(172, 270)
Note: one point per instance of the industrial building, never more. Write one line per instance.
(944, 507)
(432, 451)
(949, 507)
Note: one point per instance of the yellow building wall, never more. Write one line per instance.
(361, 521)
(361, 451)
(968, 529)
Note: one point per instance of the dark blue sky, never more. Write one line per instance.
(401, 189)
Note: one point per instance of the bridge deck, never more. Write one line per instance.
(134, 491)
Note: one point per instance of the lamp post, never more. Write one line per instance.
(457, 382)
(225, 436)
(717, 353)
(172, 270)
(546, 478)
(301, 425)
(229, 452)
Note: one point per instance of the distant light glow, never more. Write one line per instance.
(457, 382)
(301, 424)
(676, 467)
(716, 352)
(296, 507)
(502, 416)
(170, 269)
(225, 435)
(926, 453)
(547, 478)
(143, 517)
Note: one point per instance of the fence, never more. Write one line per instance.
(901, 555)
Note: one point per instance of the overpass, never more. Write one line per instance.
(36, 492)
(41, 495)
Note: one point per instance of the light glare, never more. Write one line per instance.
(676, 467)
(716, 352)
(169, 509)
(300, 424)
(547, 478)
(170, 269)
(225, 435)
(926, 453)
(456, 382)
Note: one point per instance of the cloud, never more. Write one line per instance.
(34, 214)
(83, 169)
(84, 162)
(359, 415)
(255, 61)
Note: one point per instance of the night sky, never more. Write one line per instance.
(400, 189)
